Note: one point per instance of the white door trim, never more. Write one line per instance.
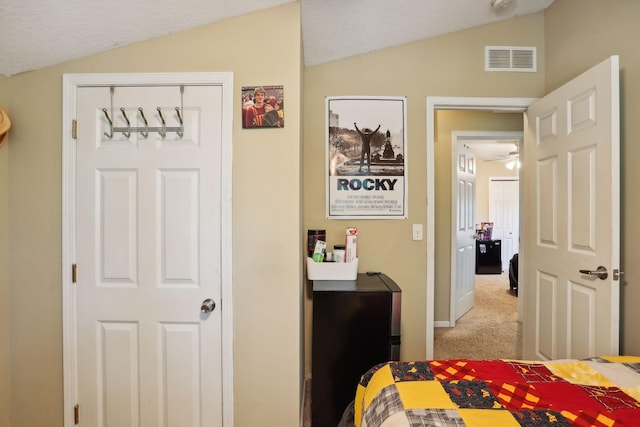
(450, 103)
(70, 84)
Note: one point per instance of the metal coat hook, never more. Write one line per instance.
(181, 132)
(144, 130)
(110, 133)
(124, 114)
(144, 133)
(163, 132)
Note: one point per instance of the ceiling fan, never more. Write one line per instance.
(513, 158)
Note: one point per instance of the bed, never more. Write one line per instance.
(602, 391)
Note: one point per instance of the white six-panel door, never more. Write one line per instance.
(572, 216)
(148, 255)
(465, 207)
(505, 215)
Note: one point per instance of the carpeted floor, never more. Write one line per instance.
(490, 330)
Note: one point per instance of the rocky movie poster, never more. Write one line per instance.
(366, 157)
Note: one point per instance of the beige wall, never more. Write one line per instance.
(4, 265)
(267, 251)
(580, 34)
(487, 170)
(450, 65)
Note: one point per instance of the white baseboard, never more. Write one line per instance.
(442, 324)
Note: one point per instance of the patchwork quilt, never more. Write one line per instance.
(602, 391)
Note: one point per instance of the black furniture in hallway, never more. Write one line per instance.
(488, 257)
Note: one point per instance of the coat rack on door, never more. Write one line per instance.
(144, 130)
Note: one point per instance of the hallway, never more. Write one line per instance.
(490, 330)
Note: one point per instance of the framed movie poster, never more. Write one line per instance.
(366, 157)
(262, 107)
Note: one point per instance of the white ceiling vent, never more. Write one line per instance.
(510, 58)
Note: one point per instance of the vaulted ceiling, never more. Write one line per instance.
(38, 33)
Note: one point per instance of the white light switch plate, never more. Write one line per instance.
(417, 231)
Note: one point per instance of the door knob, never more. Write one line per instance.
(601, 272)
(208, 306)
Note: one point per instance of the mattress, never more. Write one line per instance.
(602, 391)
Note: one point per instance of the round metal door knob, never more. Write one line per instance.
(208, 306)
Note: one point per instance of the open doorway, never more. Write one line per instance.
(434, 105)
(560, 332)
(483, 314)
(484, 215)
(484, 191)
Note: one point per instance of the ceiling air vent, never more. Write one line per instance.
(510, 58)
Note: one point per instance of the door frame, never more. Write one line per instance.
(457, 136)
(70, 84)
(433, 103)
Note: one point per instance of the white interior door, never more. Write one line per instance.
(573, 218)
(505, 215)
(148, 255)
(463, 269)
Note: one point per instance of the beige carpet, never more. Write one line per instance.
(490, 330)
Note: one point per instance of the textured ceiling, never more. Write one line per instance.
(334, 29)
(38, 33)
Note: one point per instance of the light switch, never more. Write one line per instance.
(417, 231)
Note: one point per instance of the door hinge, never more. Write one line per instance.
(76, 414)
(74, 273)
(74, 129)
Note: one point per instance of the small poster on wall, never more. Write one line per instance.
(262, 107)
(366, 157)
